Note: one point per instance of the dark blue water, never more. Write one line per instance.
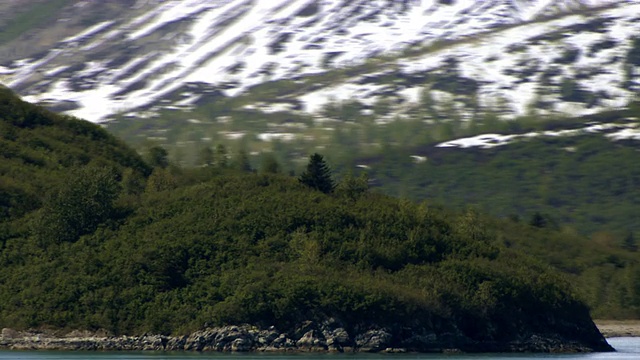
(627, 349)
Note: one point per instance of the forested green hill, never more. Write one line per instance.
(585, 182)
(95, 242)
(266, 250)
(37, 147)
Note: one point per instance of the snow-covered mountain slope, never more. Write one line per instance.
(560, 56)
(572, 65)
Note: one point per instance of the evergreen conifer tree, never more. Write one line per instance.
(241, 161)
(318, 174)
(629, 242)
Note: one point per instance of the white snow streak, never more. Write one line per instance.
(218, 35)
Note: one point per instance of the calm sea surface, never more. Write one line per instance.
(628, 349)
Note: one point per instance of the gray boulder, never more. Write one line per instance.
(373, 340)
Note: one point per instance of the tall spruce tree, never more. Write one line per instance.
(318, 175)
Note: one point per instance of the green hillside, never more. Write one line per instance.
(586, 182)
(91, 241)
(38, 147)
(266, 250)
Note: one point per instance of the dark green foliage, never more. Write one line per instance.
(228, 247)
(537, 220)
(576, 185)
(218, 158)
(540, 220)
(571, 91)
(221, 156)
(206, 156)
(38, 147)
(251, 249)
(158, 157)
(584, 182)
(241, 161)
(451, 80)
(161, 180)
(270, 164)
(629, 243)
(353, 187)
(83, 201)
(318, 175)
(133, 183)
(225, 247)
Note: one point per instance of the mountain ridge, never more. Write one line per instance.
(125, 63)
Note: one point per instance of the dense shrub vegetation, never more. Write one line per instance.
(587, 183)
(92, 238)
(264, 249)
(37, 148)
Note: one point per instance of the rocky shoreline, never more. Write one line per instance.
(222, 339)
(307, 338)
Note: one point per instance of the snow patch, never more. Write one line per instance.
(272, 43)
(487, 141)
